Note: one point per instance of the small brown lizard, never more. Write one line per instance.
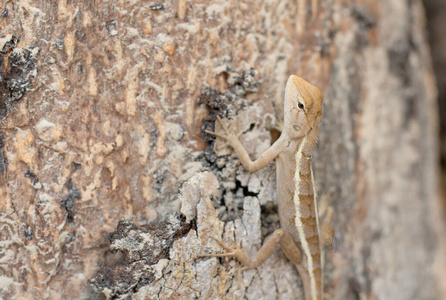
(300, 236)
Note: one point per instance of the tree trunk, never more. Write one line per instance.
(436, 21)
(104, 106)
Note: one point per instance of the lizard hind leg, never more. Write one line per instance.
(235, 252)
(279, 236)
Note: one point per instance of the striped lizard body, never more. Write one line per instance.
(299, 236)
(306, 221)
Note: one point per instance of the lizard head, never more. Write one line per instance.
(303, 107)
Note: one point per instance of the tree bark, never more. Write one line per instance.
(109, 184)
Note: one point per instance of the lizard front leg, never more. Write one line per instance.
(252, 166)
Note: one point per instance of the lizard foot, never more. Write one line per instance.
(278, 126)
(229, 137)
(231, 252)
(236, 252)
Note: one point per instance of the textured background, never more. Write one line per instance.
(103, 106)
(436, 21)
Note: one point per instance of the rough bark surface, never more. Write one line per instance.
(103, 109)
(436, 21)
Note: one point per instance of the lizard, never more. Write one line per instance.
(301, 236)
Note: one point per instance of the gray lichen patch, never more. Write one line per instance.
(8, 43)
(3, 158)
(34, 180)
(68, 202)
(18, 75)
(142, 248)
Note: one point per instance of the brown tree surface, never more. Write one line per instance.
(109, 185)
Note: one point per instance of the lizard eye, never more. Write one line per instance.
(300, 105)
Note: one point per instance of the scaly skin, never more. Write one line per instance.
(300, 236)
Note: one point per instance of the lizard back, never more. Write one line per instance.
(296, 199)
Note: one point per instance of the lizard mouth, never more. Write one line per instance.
(296, 127)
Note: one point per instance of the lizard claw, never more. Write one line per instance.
(216, 134)
(229, 137)
(239, 275)
(222, 146)
(278, 126)
(230, 251)
(228, 132)
(223, 125)
(235, 251)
